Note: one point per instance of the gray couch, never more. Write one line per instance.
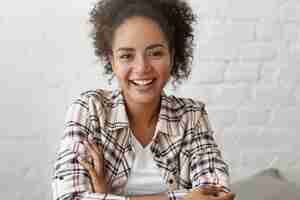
(270, 184)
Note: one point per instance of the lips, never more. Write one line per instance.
(143, 82)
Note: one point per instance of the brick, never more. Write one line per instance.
(254, 9)
(286, 118)
(232, 95)
(10, 29)
(208, 73)
(236, 137)
(231, 30)
(247, 72)
(204, 93)
(252, 117)
(297, 93)
(10, 154)
(268, 31)
(221, 118)
(216, 50)
(252, 143)
(39, 184)
(234, 50)
(269, 72)
(279, 138)
(36, 8)
(268, 96)
(289, 75)
(210, 7)
(290, 32)
(289, 10)
(257, 51)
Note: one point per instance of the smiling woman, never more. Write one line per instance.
(136, 142)
(141, 61)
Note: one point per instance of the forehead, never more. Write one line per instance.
(138, 32)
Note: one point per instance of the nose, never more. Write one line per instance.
(141, 64)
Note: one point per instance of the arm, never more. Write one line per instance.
(207, 164)
(70, 180)
(77, 185)
(207, 167)
(208, 182)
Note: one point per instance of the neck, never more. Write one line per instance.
(143, 114)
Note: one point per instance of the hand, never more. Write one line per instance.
(209, 193)
(96, 167)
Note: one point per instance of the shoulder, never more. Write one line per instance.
(182, 104)
(100, 95)
(184, 114)
(94, 107)
(92, 102)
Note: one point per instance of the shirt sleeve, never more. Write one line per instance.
(207, 166)
(70, 181)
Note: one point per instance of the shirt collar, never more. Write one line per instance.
(119, 118)
(164, 123)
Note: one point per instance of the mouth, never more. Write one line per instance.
(145, 82)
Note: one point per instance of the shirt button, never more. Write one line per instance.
(171, 181)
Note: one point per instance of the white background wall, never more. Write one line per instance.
(246, 69)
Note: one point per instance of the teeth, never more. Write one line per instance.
(142, 82)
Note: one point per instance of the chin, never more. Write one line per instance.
(144, 99)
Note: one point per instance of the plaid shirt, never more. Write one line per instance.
(183, 149)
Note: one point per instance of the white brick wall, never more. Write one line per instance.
(246, 69)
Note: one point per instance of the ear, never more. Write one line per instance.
(110, 58)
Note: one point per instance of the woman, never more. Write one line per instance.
(136, 142)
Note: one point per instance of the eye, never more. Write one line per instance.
(156, 53)
(125, 56)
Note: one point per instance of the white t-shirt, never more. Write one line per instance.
(145, 177)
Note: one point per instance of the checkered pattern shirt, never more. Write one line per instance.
(183, 149)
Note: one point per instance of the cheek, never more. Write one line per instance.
(120, 71)
(164, 68)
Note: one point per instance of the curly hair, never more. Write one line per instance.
(174, 17)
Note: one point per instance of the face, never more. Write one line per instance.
(141, 59)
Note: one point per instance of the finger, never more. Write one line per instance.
(96, 148)
(91, 151)
(86, 165)
(228, 196)
(99, 162)
(91, 171)
(96, 156)
(210, 190)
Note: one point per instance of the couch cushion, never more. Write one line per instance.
(266, 185)
(293, 175)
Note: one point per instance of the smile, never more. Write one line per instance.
(142, 82)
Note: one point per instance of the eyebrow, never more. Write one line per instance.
(125, 49)
(154, 46)
(148, 48)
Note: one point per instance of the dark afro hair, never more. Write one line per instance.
(175, 18)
